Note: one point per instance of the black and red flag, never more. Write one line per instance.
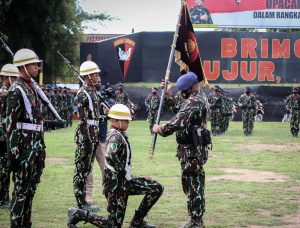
(187, 54)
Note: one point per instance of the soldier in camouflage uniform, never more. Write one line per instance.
(293, 103)
(216, 102)
(55, 102)
(200, 14)
(123, 98)
(192, 153)
(61, 102)
(86, 134)
(226, 111)
(118, 182)
(9, 74)
(25, 138)
(70, 101)
(152, 105)
(247, 102)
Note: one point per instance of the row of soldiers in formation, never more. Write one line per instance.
(62, 100)
(222, 108)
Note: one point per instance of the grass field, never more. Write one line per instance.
(250, 181)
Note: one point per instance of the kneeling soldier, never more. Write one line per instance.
(118, 182)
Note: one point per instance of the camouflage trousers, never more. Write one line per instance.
(84, 158)
(26, 177)
(69, 116)
(226, 122)
(216, 122)
(117, 190)
(193, 184)
(248, 122)
(4, 173)
(152, 115)
(294, 122)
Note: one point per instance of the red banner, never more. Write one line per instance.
(245, 13)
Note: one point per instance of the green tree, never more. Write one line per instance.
(46, 26)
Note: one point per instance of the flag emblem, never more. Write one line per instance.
(124, 48)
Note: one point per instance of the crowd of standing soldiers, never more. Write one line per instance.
(62, 99)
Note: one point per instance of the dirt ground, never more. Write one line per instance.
(270, 147)
(248, 175)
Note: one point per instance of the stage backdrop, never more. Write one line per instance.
(227, 57)
(245, 13)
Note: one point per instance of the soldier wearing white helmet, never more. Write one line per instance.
(87, 132)
(118, 180)
(8, 74)
(90, 72)
(27, 62)
(26, 147)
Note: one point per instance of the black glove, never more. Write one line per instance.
(60, 123)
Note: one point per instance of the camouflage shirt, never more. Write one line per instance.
(123, 98)
(227, 105)
(247, 102)
(3, 95)
(174, 103)
(215, 102)
(192, 113)
(293, 102)
(152, 102)
(86, 131)
(20, 140)
(116, 148)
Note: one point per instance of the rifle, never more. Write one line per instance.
(167, 76)
(40, 92)
(106, 105)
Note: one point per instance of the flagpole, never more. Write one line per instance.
(167, 76)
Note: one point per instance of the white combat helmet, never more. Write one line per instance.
(25, 56)
(89, 67)
(119, 112)
(9, 70)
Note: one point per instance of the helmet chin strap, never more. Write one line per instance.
(26, 71)
(91, 80)
(9, 81)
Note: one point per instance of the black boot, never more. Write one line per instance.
(76, 215)
(89, 207)
(139, 222)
